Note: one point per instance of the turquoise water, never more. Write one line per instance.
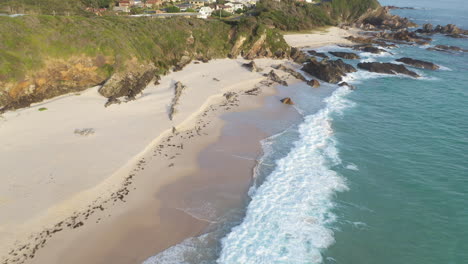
(375, 175)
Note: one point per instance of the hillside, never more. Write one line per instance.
(42, 56)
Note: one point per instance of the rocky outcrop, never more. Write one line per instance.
(403, 36)
(287, 101)
(367, 41)
(57, 77)
(184, 61)
(387, 68)
(314, 83)
(178, 88)
(298, 56)
(331, 71)
(449, 29)
(419, 63)
(275, 78)
(447, 48)
(381, 18)
(318, 54)
(345, 55)
(128, 84)
(294, 73)
(251, 66)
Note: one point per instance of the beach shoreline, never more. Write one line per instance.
(104, 207)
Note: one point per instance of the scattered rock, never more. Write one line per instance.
(370, 49)
(252, 67)
(449, 29)
(314, 83)
(294, 73)
(179, 87)
(345, 55)
(229, 95)
(419, 63)
(387, 68)
(331, 71)
(287, 101)
(275, 78)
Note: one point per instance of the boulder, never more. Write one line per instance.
(386, 67)
(251, 66)
(419, 63)
(345, 55)
(314, 83)
(331, 71)
(287, 101)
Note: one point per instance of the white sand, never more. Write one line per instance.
(48, 171)
(315, 39)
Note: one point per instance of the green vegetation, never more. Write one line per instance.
(173, 9)
(42, 109)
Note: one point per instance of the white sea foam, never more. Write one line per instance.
(289, 218)
(352, 166)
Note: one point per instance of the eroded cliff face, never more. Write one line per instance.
(57, 77)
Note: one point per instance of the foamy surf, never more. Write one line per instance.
(289, 218)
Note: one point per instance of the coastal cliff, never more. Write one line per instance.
(44, 56)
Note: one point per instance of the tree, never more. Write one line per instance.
(173, 9)
(239, 11)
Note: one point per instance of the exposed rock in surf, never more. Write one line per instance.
(318, 54)
(179, 87)
(351, 87)
(419, 63)
(447, 48)
(275, 78)
(371, 49)
(387, 68)
(294, 73)
(251, 66)
(403, 36)
(314, 83)
(370, 40)
(345, 55)
(331, 71)
(449, 29)
(287, 101)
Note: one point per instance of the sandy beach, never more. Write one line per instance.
(315, 39)
(88, 184)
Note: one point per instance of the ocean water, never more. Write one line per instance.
(375, 175)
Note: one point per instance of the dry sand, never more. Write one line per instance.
(315, 39)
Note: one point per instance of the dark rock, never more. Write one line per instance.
(372, 49)
(128, 84)
(331, 71)
(447, 48)
(403, 36)
(387, 68)
(449, 29)
(314, 83)
(294, 73)
(351, 87)
(318, 54)
(184, 60)
(178, 88)
(345, 55)
(287, 101)
(381, 18)
(298, 56)
(419, 63)
(252, 67)
(274, 77)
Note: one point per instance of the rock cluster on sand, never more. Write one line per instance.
(331, 71)
(387, 68)
(345, 55)
(294, 73)
(419, 63)
(275, 78)
(179, 87)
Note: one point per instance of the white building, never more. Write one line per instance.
(235, 5)
(205, 12)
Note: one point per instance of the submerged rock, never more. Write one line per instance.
(251, 66)
(387, 68)
(331, 71)
(287, 101)
(345, 55)
(419, 63)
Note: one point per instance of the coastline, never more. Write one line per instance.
(196, 118)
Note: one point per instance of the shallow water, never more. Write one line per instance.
(376, 175)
